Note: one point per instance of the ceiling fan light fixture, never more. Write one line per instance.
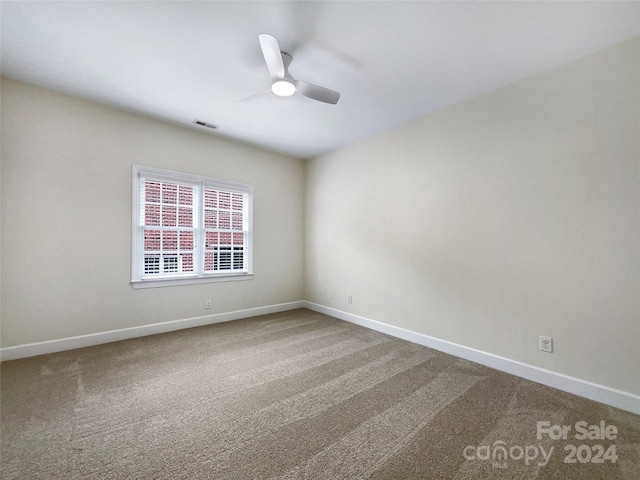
(283, 83)
(283, 88)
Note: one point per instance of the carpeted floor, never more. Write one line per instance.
(293, 395)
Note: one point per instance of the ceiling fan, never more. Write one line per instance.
(283, 84)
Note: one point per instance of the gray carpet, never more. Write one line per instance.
(290, 396)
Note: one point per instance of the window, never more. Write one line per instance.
(189, 229)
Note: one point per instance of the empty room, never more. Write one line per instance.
(320, 240)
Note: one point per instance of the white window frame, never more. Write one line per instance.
(138, 279)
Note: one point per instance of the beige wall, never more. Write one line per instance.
(66, 218)
(510, 216)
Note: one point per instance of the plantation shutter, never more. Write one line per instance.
(169, 219)
(189, 229)
(226, 222)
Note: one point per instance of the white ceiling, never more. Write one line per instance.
(391, 61)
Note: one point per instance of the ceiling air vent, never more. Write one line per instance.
(205, 124)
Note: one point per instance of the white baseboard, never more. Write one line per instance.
(593, 391)
(52, 346)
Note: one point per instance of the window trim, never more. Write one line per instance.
(200, 181)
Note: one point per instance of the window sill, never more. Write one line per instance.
(173, 282)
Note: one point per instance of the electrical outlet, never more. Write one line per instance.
(207, 303)
(546, 344)
(349, 298)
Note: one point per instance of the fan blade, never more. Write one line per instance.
(317, 93)
(255, 95)
(272, 56)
